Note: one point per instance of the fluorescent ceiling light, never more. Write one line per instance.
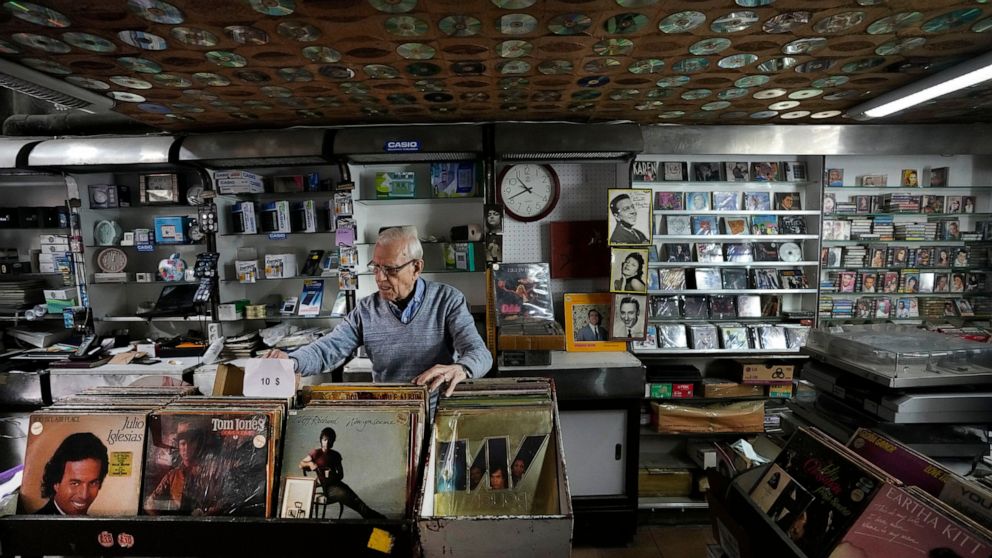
(953, 79)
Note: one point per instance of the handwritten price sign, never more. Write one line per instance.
(270, 377)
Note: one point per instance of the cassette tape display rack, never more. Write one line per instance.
(734, 257)
(906, 240)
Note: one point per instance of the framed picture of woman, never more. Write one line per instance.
(629, 270)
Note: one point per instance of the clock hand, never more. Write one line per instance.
(518, 193)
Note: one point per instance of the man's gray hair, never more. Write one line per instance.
(406, 235)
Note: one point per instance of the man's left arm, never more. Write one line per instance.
(474, 359)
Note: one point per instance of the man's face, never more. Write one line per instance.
(497, 480)
(398, 286)
(517, 468)
(628, 314)
(80, 485)
(188, 448)
(475, 476)
(594, 318)
(626, 211)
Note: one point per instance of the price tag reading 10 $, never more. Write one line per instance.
(270, 377)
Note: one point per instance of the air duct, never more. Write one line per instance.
(540, 141)
(40, 86)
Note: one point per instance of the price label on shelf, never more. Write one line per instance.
(270, 377)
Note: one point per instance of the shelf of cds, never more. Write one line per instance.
(899, 244)
(734, 246)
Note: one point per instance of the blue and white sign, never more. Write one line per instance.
(406, 146)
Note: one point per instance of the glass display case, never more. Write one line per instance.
(903, 356)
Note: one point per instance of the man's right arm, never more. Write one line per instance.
(329, 351)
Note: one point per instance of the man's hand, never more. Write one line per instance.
(439, 374)
(275, 353)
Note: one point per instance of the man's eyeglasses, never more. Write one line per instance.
(388, 270)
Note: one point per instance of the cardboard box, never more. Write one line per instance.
(230, 380)
(171, 229)
(656, 481)
(670, 390)
(742, 416)
(715, 387)
(782, 391)
(763, 373)
(280, 266)
(532, 342)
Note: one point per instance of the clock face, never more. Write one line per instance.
(111, 260)
(528, 192)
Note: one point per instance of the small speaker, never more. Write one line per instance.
(466, 233)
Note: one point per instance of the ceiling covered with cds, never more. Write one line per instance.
(211, 64)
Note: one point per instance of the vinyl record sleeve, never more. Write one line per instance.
(696, 307)
(672, 336)
(664, 306)
(709, 252)
(523, 292)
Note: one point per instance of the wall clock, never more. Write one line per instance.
(528, 192)
(111, 260)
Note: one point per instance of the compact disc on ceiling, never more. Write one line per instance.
(900, 46)
(555, 67)
(130, 82)
(696, 94)
(226, 59)
(732, 93)
(273, 7)
(172, 80)
(752, 81)
(569, 24)
(805, 94)
(671, 114)
(180, 117)
(87, 41)
(674, 81)
(126, 97)
(951, 20)
(39, 15)
(789, 251)
(613, 47)
(337, 71)
(298, 30)
(825, 114)
(417, 51)
(601, 65)
(769, 93)
(474, 97)
(438, 97)
(734, 22)
(593, 81)
(246, 35)
(211, 79)
(296, 74)
(46, 66)
(784, 23)
(252, 76)
(194, 37)
(423, 69)
(460, 26)
(276, 91)
(838, 23)
(804, 46)
(513, 67)
(647, 66)
(586, 95)
(777, 64)
(737, 60)
(393, 6)
(795, 114)
(690, 65)
(154, 108)
(681, 22)
(186, 107)
(517, 24)
(815, 65)
(141, 65)
(709, 46)
(468, 68)
(894, 22)
(156, 11)
(41, 42)
(862, 64)
(321, 54)
(142, 40)
(406, 26)
(88, 83)
(715, 105)
(783, 105)
(381, 71)
(762, 114)
(841, 95)
(625, 24)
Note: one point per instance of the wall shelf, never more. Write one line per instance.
(736, 237)
(734, 292)
(805, 263)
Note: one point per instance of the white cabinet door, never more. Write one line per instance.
(595, 451)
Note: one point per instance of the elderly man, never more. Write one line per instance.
(412, 329)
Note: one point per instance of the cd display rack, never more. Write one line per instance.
(734, 255)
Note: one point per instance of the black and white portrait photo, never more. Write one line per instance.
(629, 319)
(630, 217)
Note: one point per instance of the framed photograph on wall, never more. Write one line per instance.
(629, 316)
(629, 270)
(587, 318)
(630, 216)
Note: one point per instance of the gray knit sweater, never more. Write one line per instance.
(442, 331)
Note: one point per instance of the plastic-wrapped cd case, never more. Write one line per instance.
(650, 340)
(796, 336)
(672, 336)
(734, 337)
(653, 282)
(734, 279)
(695, 307)
(735, 225)
(772, 337)
(766, 279)
(793, 224)
(739, 252)
(677, 252)
(708, 278)
(708, 252)
(727, 201)
(671, 279)
(765, 251)
(664, 306)
(722, 307)
(704, 337)
(678, 225)
(704, 225)
(749, 306)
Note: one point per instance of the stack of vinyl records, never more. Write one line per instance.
(18, 294)
(493, 450)
(106, 426)
(376, 428)
(242, 346)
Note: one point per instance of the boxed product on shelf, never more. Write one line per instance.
(171, 229)
(669, 390)
(238, 182)
(395, 184)
(274, 217)
(303, 216)
(453, 180)
(232, 310)
(280, 266)
(296, 183)
(718, 387)
(766, 373)
(243, 220)
(741, 416)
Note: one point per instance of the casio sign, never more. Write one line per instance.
(402, 146)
